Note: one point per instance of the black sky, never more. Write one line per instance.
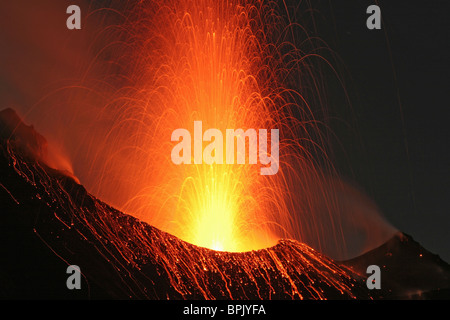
(398, 79)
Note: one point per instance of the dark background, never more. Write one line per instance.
(398, 80)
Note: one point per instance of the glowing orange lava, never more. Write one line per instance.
(199, 60)
(230, 64)
(215, 62)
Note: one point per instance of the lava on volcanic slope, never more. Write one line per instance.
(50, 221)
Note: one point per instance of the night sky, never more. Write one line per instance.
(398, 80)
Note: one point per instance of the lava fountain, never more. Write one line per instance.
(213, 62)
(163, 65)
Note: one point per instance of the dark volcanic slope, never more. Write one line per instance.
(408, 271)
(48, 222)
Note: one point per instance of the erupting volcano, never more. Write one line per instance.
(159, 67)
(252, 206)
(215, 63)
(52, 218)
